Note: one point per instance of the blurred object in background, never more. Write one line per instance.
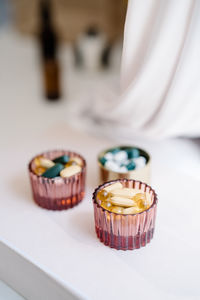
(91, 26)
(116, 54)
(5, 12)
(48, 43)
(90, 29)
(89, 49)
(73, 17)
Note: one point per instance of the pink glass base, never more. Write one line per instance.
(58, 204)
(58, 193)
(124, 243)
(125, 232)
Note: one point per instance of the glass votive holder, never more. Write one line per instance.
(125, 231)
(58, 193)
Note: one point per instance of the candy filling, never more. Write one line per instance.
(118, 199)
(123, 160)
(63, 166)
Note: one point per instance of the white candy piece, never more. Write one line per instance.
(125, 192)
(140, 162)
(120, 156)
(116, 185)
(123, 169)
(112, 165)
(70, 171)
(148, 197)
(77, 160)
(131, 210)
(120, 201)
(109, 156)
(46, 163)
(126, 162)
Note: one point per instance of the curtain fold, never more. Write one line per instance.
(160, 72)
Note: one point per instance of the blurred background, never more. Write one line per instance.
(59, 55)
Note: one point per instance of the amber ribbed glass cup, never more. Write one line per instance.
(58, 193)
(125, 232)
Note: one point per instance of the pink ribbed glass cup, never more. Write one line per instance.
(58, 193)
(125, 232)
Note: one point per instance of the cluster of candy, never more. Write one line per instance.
(121, 200)
(63, 166)
(123, 160)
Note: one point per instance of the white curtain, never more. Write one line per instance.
(160, 75)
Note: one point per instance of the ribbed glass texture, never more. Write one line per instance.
(125, 232)
(58, 193)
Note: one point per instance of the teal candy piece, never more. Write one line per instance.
(133, 153)
(53, 171)
(61, 159)
(103, 160)
(114, 151)
(130, 166)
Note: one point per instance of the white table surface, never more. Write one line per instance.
(7, 293)
(63, 245)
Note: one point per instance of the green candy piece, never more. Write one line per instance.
(130, 166)
(133, 153)
(103, 160)
(61, 159)
(53, 171)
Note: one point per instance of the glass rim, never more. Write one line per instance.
(107, 183)
(57, 177)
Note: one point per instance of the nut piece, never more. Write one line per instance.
(70, 171)
(119, 201)
(113, 186)
(125, 192)
(46, 163)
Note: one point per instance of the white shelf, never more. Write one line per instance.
(56, 255)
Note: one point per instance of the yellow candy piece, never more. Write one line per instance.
(117, 209)
(139, 196)
(39, 170)
(70, 163)
(103, 195)
(37, 161)
(107, 205)
(141, 200)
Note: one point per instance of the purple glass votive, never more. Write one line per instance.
(58, 193)
(121, 231)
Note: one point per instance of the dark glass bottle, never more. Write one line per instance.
(48, 44)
